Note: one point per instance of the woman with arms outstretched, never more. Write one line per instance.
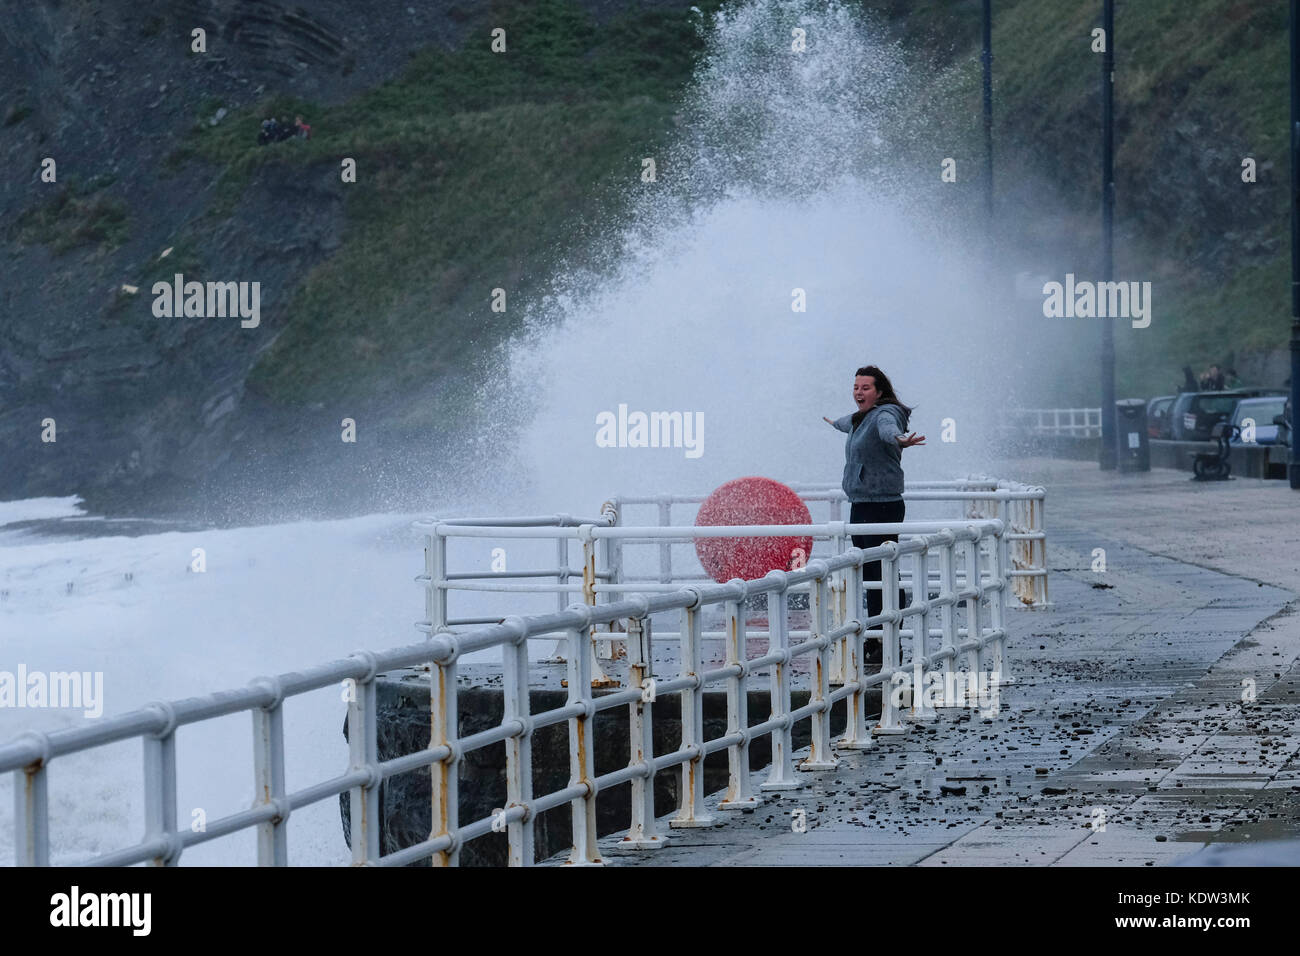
(873, 470)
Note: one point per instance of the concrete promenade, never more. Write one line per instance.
(1130, 737)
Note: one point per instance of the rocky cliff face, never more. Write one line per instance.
(107, 90)
(155, 413)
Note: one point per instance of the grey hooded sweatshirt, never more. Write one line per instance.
(873, 469)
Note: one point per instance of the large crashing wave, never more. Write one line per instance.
(788, 173)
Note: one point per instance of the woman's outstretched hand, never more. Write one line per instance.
(910, 439)
(827, 420)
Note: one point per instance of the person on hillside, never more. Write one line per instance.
(873, 471)
(270, 131)
(301, 129)
(1212, 381)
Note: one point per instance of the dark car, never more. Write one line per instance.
(1193, 414)
(1158, 415)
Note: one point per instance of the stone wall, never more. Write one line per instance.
(405, 800)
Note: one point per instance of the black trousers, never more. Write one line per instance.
(872, 512)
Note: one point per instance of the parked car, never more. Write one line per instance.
(1283, 423)
(1262, 411)
(1158, 416)
(1193, 414)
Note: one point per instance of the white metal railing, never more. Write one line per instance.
(1022, 506)
(833, 623)
(1059, 422)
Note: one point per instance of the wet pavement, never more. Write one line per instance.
(1155, 710)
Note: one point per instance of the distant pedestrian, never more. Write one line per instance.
(270, 130)
(873, 471)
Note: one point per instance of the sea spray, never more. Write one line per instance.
(784, 244)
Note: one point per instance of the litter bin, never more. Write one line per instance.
(1132, 452)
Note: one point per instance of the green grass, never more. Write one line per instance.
(1196, 327)
(1199, 84)
(475, 171)
(77, 214)
(479, 170)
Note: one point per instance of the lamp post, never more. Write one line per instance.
(992, 290)
(1293, 462)
(988, 118)
(1108, 453)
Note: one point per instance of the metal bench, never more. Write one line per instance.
(1216, 466)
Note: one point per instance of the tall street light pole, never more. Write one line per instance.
(988, 118)
(1293, 460)
(992, 286)
(1107, 459)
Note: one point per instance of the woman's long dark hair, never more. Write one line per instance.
(886, 389)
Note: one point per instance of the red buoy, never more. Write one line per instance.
(752, 501)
